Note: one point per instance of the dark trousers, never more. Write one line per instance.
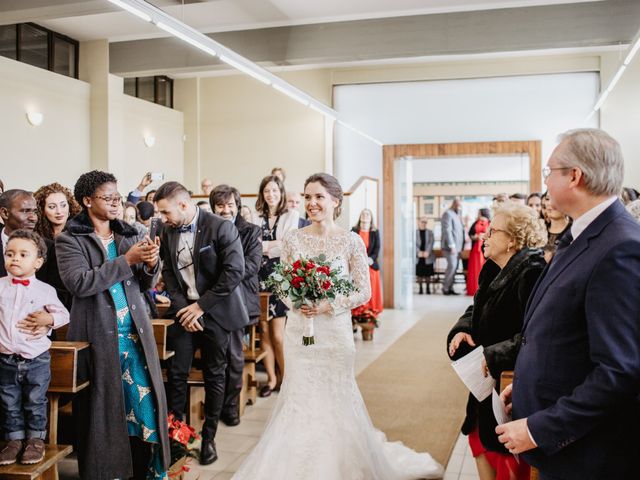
(235, 365)
(214, 344)
(23, 395)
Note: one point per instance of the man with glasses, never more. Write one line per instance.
(577, 375)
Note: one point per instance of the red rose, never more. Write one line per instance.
(297, 282)
(326, 285)
(310, 265)
(296, 265)
(323, 269)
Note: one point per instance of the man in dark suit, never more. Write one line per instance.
(226, 202)
(577, 374)
(203, 266)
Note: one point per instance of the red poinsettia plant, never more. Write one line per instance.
(308, 281)
(365, 315)
(183, 441)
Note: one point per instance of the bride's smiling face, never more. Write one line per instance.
(318, 203)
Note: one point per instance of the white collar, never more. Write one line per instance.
(584, 220)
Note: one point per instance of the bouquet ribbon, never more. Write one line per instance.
(307, 331)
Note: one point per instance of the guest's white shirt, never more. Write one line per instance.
(583, 221)
(186, 256)
(16, 302)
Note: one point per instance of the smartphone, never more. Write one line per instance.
(153, 229)
(157, 176)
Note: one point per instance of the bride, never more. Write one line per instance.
(320, 428)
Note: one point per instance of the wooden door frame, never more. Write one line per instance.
(391, 153)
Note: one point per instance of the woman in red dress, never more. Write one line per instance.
(369, 234)
(476, 257)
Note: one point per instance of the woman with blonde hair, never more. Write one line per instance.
(512, 246)
(366, 228)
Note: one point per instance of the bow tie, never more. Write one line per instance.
(191, 228)
(17, 281)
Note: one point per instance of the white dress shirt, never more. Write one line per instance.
(18, 301)
(583, 221)
(186, 257)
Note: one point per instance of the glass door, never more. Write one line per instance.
(404, 241)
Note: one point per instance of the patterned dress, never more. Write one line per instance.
(276, 307)
(139, 399)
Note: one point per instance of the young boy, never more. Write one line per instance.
(29, 308)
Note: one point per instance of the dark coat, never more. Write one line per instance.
(494, 321)
(219, 269)
(577, 375)
(103, 443)
(251, 238)
(373, 250)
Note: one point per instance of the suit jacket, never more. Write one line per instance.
(373, 250)
(452, 231)
(251, 238)
(219, 270)
(577, 374)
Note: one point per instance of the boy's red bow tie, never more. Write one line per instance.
(17, 281)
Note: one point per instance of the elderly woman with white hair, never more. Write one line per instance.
(514, 263)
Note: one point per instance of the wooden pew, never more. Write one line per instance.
(160, 328)
(506, 379)
(69, 374)
(45, 470)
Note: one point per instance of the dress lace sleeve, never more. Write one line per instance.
(359, 273)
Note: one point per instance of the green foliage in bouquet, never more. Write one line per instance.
(308, 281)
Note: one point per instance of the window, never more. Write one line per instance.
(158, 89)
(40, 47)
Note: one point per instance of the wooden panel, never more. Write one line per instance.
(69, 364)
(389, 156)
(44, 469)
(392, 152)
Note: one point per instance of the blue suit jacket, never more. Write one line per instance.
(577, 374)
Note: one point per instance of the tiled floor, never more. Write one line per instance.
(235, 443)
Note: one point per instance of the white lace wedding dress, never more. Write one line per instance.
(320, 428)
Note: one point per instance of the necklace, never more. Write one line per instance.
(108, 237)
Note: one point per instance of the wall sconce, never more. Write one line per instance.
(149, 140)
(35, 118)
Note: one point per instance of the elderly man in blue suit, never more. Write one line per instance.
(577, 374)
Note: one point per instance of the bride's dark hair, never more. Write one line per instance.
(331, 185)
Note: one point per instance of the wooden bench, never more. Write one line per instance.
(506, 379)
(69, 374)
(160, 327)
(45, 470)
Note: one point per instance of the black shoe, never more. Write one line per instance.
(446, 292)
(208, 453)
(230, 420)
(453, 292)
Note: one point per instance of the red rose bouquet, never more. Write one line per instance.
(307, 282)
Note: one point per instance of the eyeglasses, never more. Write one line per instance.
(111, 199)
(492, 230)
(546, 171)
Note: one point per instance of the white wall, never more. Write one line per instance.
(60, 149)
(57, 150)
(534, 107)
(502, 168)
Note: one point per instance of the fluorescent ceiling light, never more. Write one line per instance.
(355, 130)
(132, 9)
(327, 112)
(616, 77)
(245, 69)
(187, 38)
(291, 94)
(632, 52)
